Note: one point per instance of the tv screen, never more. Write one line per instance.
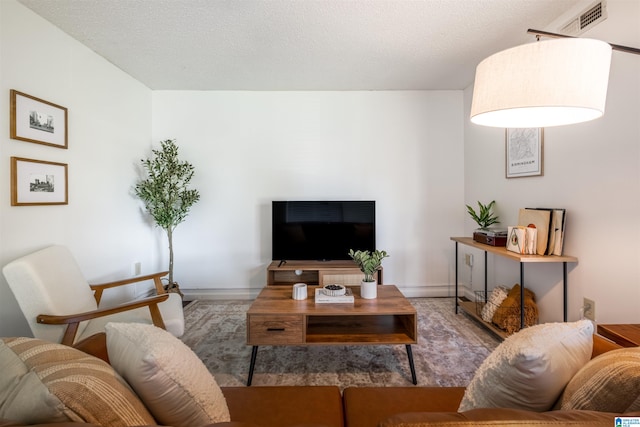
(322, 230)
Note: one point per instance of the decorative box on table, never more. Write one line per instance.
(497, 237)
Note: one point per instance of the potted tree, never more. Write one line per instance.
(166, 194)
(369, 263)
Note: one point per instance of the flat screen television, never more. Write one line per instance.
(322, 230)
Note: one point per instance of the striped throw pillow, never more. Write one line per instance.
(43, 382)
(608, 383)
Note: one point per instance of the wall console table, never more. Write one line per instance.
(522, 259)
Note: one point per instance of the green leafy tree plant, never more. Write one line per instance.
(166, 194)
(369, 262)
(485, 217)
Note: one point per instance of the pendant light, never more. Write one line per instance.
(545, 83)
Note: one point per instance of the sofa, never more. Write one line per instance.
(327, 406)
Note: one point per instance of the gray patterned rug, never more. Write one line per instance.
(450, 348)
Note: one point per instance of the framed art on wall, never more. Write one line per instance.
(38, 182)
(39, 121)
(524, 152)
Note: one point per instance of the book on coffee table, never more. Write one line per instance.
(322, 298)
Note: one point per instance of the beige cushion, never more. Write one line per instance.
(171, 311)
(498, 294)
(170, 379)
(42, 382)
(529, 369)
(609, 382)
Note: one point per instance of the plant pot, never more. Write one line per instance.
(369, 290)
(174, 289)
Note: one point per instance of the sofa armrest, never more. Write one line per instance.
(501, 417)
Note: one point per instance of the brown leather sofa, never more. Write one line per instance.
(325, 406)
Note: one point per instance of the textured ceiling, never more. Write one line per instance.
(301, 44)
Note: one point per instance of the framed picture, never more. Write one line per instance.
(36, 120)
(36, 182)
(524, 152)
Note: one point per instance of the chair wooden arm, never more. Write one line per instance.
(99, 288)
(73, 320)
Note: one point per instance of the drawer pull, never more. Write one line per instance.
(275, 329)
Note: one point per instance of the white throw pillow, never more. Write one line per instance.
(167, 375)
(529, 369)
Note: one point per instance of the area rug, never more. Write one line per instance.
(449, 350)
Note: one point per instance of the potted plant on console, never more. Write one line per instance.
(485, 218)
(369, 263)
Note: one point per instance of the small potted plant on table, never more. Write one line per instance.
(369, 263)
(485, 218)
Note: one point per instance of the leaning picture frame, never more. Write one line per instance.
(524, 152)
(38, 121)
(38, 182)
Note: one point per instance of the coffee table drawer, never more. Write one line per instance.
(274, 330)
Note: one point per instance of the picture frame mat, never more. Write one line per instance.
(21, 107)
(524, 152)
(24, 172)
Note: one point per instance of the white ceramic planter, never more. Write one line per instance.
(369, 290)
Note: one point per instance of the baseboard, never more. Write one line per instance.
(251, 293)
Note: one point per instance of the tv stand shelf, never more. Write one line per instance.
(317, 273)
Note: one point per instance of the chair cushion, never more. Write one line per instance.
(167, 375)
(43, 382)
(529, 369)
(609, 382)
(42, 282)
(171, 311)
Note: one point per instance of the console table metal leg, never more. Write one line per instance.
(254, 353)
(522, 295)
(565, 291)
(456, 278)
(411, 365)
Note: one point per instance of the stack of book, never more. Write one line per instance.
(550, 223)
(322, 298)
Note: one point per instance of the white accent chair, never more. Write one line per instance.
(61, 306)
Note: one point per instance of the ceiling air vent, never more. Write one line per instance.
(591, 16)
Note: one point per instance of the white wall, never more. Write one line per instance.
(109, 131)
(415, 153)
(592, 170)
(401, 149)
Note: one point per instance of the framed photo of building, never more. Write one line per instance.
(524, 149)
(36, 120)
(37, 182)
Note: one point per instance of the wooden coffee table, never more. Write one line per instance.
(275, 318)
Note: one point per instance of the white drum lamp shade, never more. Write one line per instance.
(542, 84)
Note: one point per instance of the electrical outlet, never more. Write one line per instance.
(468, 259)
(589, 309)
(137, 268)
